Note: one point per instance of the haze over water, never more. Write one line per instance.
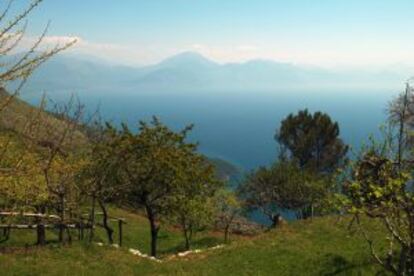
(239, 126)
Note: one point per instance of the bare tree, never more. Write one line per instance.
(16, 68)
(59, 167)
(380, 189)
(20, 55)
(401, 111)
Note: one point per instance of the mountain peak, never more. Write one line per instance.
(187, 59)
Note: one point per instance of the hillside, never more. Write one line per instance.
(18, 115)
(227, 171)
(297, 249)
(32, 122)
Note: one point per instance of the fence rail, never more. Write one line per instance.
(79, 225)
(33, 215)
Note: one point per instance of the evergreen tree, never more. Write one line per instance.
(312, 140)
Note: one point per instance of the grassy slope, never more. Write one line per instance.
(321, 247)
(303, 248)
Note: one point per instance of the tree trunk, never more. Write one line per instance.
(154, 228)
(402, 266)
(312, 211)
(108, 229)
(120, 231)
(41, 231)
(226, 233)
(187, 240)
(92, 219)
(275, 220)
(154, 238)
(186, 232)
(62, 216)
(41, 234)
(6, 234)
(402, 122)
(190, 237)
(69, 235)
(411, 265)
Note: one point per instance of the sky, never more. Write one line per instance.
(327, 33)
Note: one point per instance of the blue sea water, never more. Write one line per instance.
(239, 126)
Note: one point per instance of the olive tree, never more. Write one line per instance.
(228, 206)
(193, 202)
(155, 164)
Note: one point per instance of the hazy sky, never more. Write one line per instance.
(318, 32)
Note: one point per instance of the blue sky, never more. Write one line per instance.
(318, 32)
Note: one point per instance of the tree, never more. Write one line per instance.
(193, 214)
(381, 188)
(59, 144)
(17, 69)
(312, 140)
(21, 179)
(379, 191)
(282, 187)
(100, 173)
(401, 116)
(258, 192)
(228, 208)
(192, 205)
(39, 166)
(154, 164)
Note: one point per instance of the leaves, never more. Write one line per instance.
(312, 140)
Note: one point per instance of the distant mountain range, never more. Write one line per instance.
(234, 115)
(191, 71)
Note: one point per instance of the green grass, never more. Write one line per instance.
(323, 246)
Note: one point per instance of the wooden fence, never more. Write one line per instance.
(55, 222)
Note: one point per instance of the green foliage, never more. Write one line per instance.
(228, 206)
(191, 204)
(312, 140)
(377, 185)
(164, 175)
(22, 184)
(153, 163)
(284, 186)
(381, 190)
(100, 174)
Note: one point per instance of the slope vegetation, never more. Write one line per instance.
(323, 246)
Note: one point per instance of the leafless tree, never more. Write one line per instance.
(17, 67)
